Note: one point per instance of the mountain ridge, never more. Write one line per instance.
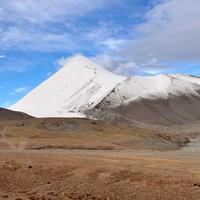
(77, 86)
(81, 88)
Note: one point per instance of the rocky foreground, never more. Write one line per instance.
(102, 175)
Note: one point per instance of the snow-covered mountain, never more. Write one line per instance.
(83, 87)
(78, 86)
(152, 87)
(162, 100)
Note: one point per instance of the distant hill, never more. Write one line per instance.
(6, 114)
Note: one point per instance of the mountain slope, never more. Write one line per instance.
(79, 85)
(6, 114)
(186, 77)
(150, 87)
(162, 99)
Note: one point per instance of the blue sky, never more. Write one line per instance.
(127, 36)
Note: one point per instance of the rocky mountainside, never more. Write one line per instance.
(162, 100)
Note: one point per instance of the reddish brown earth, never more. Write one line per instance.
(93, 175)
(61, 133)
(80, 159)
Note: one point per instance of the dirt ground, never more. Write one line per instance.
(70, 159)
(62, 133)
(100, 174)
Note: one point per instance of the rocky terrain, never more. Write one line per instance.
(102, 175)
(66, 133)
(83, 159)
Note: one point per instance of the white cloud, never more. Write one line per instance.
(128, 67)
(114, 44)
(42, 11)
(2, 56)
(46, 25)
(170, 34)
(22, 39)
(51, 26)
(49, 73)
(62, 61)
(19, 90)
(104, 60)
(14, 65)
(117, 65)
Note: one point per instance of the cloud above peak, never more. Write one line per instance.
(151, 35)
(41, 11)
(50, 26)
(170, 33)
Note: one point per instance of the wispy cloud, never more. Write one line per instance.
(166, 41)
(117, 65)
(169, 34)
(49, 26)
(19, 90)
(61, 62)
(46, 11)
(13, 65)
(115, 44)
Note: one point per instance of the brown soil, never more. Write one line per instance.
(58, 133)
(81, 159)
(81, 175)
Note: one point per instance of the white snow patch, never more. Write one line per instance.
(151, 87)
(186, 77)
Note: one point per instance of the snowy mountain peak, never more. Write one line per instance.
(79, 85)
(79, 61)
(82, 85)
